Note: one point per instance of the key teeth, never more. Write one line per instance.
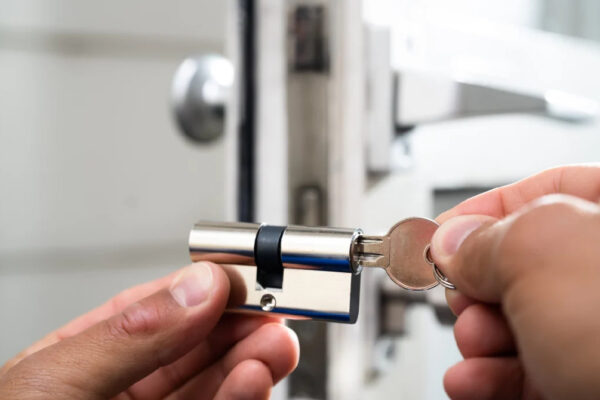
(369, 240)
(370, 260)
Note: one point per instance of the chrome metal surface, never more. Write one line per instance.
(427, 97)
(401, 253)
(439, 275)
(268, 302)
(318, 276)
(223, 242)
(200, 90)
(323, 248)
(442, 279)
(305, 294)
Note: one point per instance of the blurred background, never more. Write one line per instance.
(98, 190)
(408, 107)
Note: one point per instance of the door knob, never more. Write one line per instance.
(200, 90)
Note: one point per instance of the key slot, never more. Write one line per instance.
(372, 251)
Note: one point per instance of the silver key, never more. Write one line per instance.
(403, 252)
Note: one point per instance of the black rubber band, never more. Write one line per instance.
(267, 255)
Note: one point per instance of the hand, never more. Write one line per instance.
(164, 339)
(525, 259)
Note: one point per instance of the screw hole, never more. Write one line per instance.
(267, 302)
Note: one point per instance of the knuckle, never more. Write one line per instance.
(540, 221)
(120, 301)
(532, 236)
(553, 205)
(135, 320)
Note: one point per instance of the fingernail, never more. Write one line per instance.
(193, 286)
(452, 234)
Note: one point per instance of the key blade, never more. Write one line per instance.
(373, 251)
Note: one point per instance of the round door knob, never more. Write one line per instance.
(200, 89)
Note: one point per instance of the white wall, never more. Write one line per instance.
(98, 190)
(197, 20)
(572, 17)
(512, 12)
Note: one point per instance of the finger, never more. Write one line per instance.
(468, 269)
(274, 345)
(540, 263)
(581, 181)
(485, 379)
(457, 301)
(114, 306)
(249, 380)
(112, 355)
(482, 331)
(231, 329)
(482, 256)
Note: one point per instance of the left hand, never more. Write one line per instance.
(163, 339)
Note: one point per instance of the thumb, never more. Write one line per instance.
(462, 248)
(110, 356)
(483, 256)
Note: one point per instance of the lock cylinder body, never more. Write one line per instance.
(297, 272)
(323, 248)
(223, 242)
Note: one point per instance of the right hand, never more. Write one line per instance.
(525, 259)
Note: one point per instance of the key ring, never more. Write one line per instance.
(437, 273)
(442, 279)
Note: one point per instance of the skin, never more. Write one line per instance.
(152, 342)
(524, 259)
